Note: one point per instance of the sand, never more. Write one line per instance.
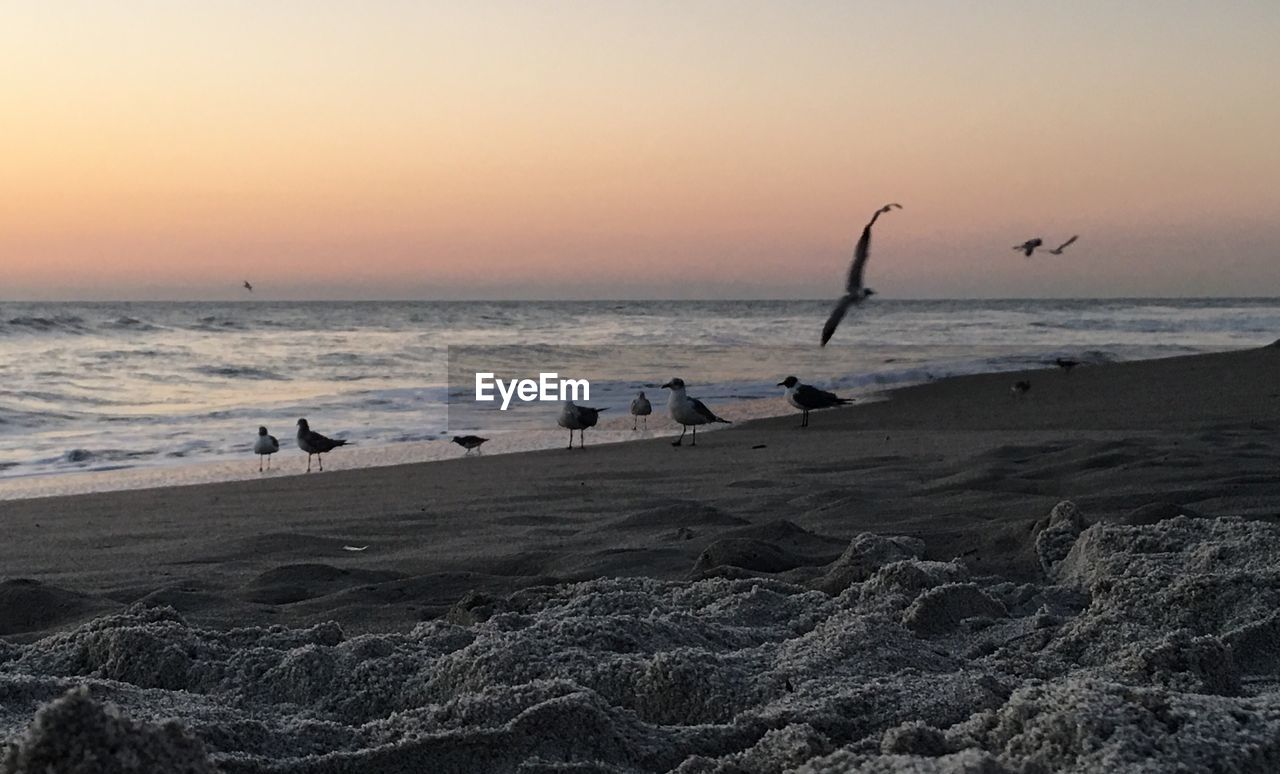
(1082, 579)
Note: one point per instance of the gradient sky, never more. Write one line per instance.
(164, 149)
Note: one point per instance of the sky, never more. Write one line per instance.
(170, 150)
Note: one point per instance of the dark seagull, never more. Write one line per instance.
(1065, 364)
(575, 417)
(807, 398)
(689, 412)
(469, 442)
(1058, 250)
(312, 442)
(247, 286)
(1028, 247)
(855, 292)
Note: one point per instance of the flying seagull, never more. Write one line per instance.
(575, 417)
(312, 442)
(807, 398)
(854, 292)
(689, 412)
(640, 407)
(1058, 250)
(247, 286)
(1028, 247)
(469, 442)
(265, 446)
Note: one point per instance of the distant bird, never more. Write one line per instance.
(1066, 365)
(247, 286)
(312, 442)
(575, 417)
(640, 407)
(807, 398)
(265, 446)
(1058, 250)
(469, 442)
(689, 412)
(854, 291)
(1028, 247)
(1020, 388)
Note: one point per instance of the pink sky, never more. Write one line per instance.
(562, 150)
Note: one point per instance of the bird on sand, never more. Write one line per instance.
(1020, 388)
(1065, 364)
(265, 446)
(1028, 247)
(689, 412)
(855, 292)
(247, 286)
(1058, 250)
(575, 417)
(469, 442)
(640, 407)
(312, 442)
(807, 398)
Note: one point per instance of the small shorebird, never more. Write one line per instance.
(640, 407)
(469, 442)
(855, 292)
(575, 417)
(312, 442)
(689, 412)
(1028, 247)
(1020, 388)
(265, 446)
(247, 286)
(807, 398)
(1058, 250)
(1066, 365)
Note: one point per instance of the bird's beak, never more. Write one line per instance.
(782, 384)
(666, 386)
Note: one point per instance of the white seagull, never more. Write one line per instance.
(575, 417)
(855, 292)
(265, 446)
(1058, 250)
(1028, 247)
(689, 412)
(640, 407)
(312, 442)
(807, 398)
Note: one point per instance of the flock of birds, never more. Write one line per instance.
(686, 411)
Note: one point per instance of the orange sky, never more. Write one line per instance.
(431, 150)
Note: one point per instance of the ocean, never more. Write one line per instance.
(99, 396)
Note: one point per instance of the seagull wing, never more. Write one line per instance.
(1066, 244)
(837, 314)
(812, 397)
(274, 443)
(702, 410)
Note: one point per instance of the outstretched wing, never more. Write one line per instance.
(837, 315)
(1066, 244)
(860, 254)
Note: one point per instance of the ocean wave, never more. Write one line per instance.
(240, 372)
(55, 324)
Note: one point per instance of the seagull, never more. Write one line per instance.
(1066, 365)
(575, 417)
(312, 442)
(1020, 388)
(247, 286)
(1028, 247)
(855, 292)
(265, 446)
(807, 398)
(640, 407)
(688, 411)
(469, 442)
(1058, 250)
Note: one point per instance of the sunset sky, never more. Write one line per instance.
(170, 150)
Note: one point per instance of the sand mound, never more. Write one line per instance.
(1145, 648)
(31, 606)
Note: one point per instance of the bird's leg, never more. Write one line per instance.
(677, 441)
(635, 423)
(570, 438)
(320, 459)
(308, 462)
(259, 463)
(582, 438)
(694, 442)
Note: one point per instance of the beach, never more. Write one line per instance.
(955, 579)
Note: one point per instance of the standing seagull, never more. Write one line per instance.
(1058, 250)
(1066, 365)
(575, 417)
(640, 407)
(469, 442)
(247, 286)
(1028, 247)
(689, 412)
(312, 442)
(265, 446)
(855, 292)
(807, 398)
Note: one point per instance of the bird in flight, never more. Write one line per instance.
(1058, 250)
(855, 292)
(1028, 247)
(247, 286)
